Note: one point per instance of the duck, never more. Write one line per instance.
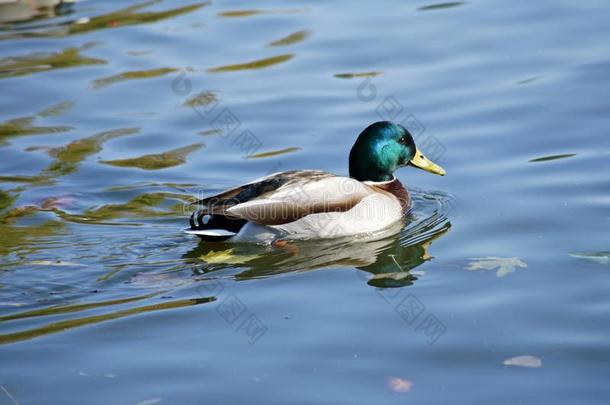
(314, 204)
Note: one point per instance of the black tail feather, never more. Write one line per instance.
(201, 220)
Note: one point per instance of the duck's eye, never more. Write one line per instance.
(403, 140)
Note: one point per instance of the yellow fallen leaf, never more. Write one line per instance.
(226, 257)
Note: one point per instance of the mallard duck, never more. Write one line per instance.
(309, 204)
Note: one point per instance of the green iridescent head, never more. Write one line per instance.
(381, 149)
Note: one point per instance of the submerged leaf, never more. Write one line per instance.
(257, 64)
(157, 161)
(505, 265)
(132, 75)
(151, 401)
(397, 384)
(597, 257)
(524, 361)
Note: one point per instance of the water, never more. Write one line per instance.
(110, 124)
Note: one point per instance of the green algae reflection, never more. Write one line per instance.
(25, 239)
(356, 75)
(132, 75)
(291, 39)
(67, 158)
(201, 99)
(42, 62)
(256, 64)
(157, 161)
(253, 12)
(147, 205)
(61, 326)
(274, 153)
(24, 126)
(124, 17)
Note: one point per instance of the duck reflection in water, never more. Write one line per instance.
(389, 258)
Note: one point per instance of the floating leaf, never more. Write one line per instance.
(226, 257)
(157, 161)
(257, 64)
(353, 75)
(552, 157)
(597, 257)
(441, 6)
(505, 265)
(524, 361)
(291, 39)
(132, 75)
(397, 384)
(274, 153)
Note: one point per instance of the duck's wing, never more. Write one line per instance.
(287, 196)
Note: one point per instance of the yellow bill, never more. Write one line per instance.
(419, 160)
